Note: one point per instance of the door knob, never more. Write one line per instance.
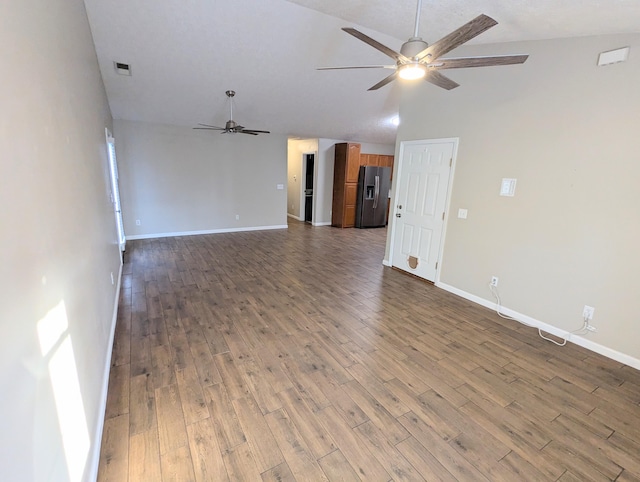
(398, 215)
(399, 206)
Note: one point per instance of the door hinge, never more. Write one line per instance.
(451, 162)
(436, 265)
(443, 216)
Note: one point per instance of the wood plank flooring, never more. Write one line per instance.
(295, 355)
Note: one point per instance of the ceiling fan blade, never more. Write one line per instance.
(254, 131)
(456, 38)
(440, 80)
(360, 67)
(384, 81)
(209, 128)
(251, 133)
(376, 45)
(464, 62)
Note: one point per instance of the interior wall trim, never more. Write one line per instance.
(207, 231)
(578, 340)
(297, 218)
(94, 461)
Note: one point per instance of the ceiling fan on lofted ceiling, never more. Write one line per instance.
(417, 59)
(231, 127)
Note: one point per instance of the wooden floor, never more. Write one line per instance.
(295, 355)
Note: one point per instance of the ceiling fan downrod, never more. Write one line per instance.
(230, 94)
(417, 26)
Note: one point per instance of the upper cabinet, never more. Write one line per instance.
(370, 159)
(386, 161)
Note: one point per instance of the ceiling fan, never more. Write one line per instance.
(231, 127)
(417, 59)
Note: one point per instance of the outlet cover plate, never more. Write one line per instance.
(587, 312)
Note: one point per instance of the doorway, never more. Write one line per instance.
(115, 191)
(422, 195)
(309, 169)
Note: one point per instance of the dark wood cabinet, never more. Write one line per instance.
(345, 184)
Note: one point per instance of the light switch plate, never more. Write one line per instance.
(280, 187)
(462, 213)
(508, 187)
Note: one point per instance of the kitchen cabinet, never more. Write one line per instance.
(386, 161)
(345, 184)
(370, 160)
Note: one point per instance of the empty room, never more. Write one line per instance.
(320, 240)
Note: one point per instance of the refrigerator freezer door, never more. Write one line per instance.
(373, 193)
(376, 192)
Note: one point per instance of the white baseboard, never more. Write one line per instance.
(386, 262)
(207, 231)
(578, 340)
(94, 462)
(297, 218)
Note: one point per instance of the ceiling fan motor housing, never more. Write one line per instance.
(413, 47)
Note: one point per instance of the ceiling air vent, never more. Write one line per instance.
(122, 69)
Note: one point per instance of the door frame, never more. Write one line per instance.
(396, 196)
(303, 180)
(115, 189)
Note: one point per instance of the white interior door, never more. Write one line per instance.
(423, 181)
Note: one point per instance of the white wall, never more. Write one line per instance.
(58, 244)
(568, 131)
(324, 174)
(177, 180)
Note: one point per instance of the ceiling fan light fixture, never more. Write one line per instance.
(412, 71)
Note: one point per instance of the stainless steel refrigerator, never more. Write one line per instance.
(373, 196)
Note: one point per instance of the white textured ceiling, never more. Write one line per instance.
(185, 54)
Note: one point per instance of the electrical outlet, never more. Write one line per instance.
(494, 281)
(237, 217)
(137, 222)
(112, 280)
(587, 312)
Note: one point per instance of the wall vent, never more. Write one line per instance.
(122, 68)
(613, 56)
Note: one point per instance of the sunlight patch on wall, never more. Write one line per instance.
(55, 344)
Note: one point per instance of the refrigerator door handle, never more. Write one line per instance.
(377, 192)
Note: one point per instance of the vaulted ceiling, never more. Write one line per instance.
(185, 54)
